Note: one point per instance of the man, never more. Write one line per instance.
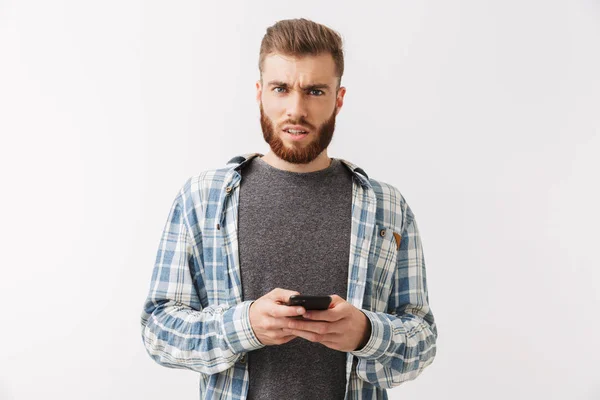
(240, 240)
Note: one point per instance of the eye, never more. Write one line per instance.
(278, 87)
(320, 92)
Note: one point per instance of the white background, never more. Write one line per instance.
(484, 114)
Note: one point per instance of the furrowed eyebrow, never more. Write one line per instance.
(308, 87)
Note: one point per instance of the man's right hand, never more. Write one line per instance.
(269, 314)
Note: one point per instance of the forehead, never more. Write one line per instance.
(304, 69)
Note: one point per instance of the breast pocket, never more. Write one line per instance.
(382, 263)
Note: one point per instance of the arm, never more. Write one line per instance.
(178, 332)
(403, 341)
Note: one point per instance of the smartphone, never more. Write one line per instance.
(310, 302)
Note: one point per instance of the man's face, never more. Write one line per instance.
(301, 93)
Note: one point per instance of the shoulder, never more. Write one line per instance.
(392, 209)
(205, 185)
(202, 190)
(199, 195)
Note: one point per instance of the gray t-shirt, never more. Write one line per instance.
(294, 233)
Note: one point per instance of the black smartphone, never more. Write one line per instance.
(310, 302)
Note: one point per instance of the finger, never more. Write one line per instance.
(337, 310)
(283, 339)
(310, 336)
(331, 315)
(321, 328)
(315, 315)
(281, 295)
(280, 311)
(336, 300)
(330, 344)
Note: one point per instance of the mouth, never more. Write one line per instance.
(295, 131)
(296, 134)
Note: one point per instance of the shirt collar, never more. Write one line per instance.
(239, 161)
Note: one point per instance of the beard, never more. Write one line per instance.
(297, 153)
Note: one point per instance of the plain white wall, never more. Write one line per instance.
(484, 114)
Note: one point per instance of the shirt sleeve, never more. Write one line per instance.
(177, 330)
(403, 340)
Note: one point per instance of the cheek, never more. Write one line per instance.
(273, 112)
(322, 112)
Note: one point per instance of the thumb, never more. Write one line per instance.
(281, 295)
(336, 301)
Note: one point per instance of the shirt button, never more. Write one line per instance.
(243, 359)
(382, 233)
(228, 189)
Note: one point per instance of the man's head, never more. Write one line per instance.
(301, 65)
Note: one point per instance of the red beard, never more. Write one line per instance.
(300, 154)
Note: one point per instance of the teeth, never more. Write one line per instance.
(295, 131)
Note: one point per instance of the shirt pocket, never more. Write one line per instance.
(382, 264)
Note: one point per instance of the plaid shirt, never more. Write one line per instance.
(194, 316)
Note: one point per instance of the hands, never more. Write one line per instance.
(342, 327)
(268, 317)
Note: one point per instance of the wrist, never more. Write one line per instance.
(366, 332)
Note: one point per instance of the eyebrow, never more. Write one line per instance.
(308, 87)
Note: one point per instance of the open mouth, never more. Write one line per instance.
(295, 134)
(295, 131)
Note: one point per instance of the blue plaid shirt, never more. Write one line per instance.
(194, 316)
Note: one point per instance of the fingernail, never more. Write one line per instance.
(299, 310)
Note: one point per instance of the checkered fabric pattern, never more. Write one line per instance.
(194, 316)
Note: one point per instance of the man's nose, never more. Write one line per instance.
(296, 107)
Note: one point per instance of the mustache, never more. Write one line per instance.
(302, 123)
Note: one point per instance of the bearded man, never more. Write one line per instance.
(241, 239)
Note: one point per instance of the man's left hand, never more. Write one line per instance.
(342, 327)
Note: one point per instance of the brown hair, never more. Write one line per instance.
(300, 37)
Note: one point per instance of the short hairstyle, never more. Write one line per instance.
(301, 37)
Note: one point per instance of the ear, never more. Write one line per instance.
(258, 91)
(339, 100)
